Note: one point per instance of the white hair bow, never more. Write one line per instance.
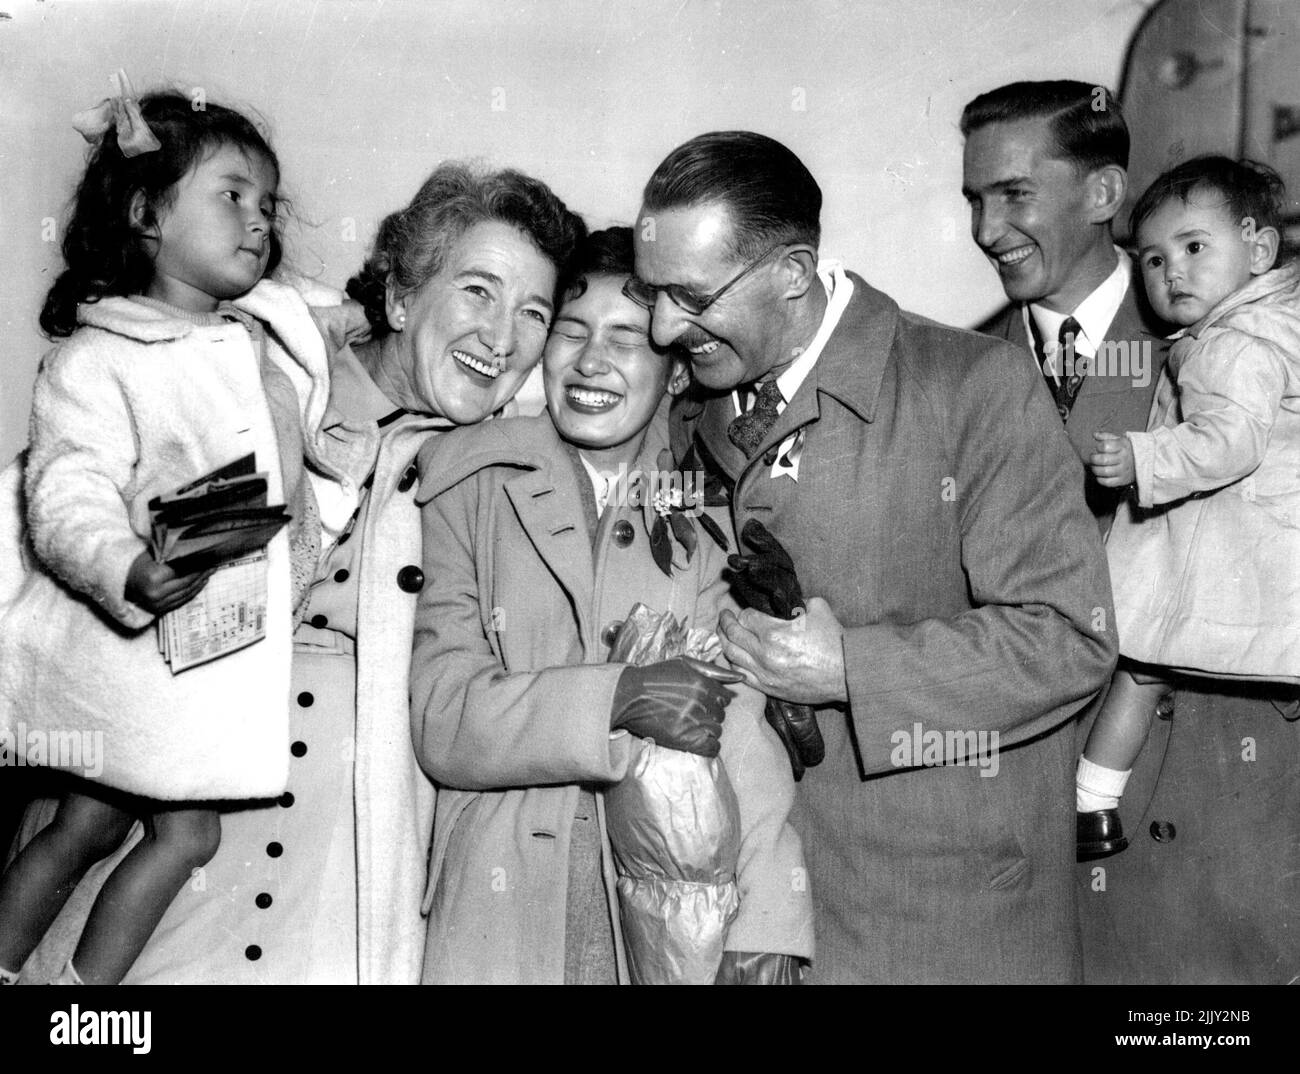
(133, 134)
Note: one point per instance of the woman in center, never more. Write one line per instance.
(535, 552)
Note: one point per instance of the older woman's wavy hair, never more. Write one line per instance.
(412, 243)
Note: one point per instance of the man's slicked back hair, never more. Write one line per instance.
(1086, 121)
(769, 194)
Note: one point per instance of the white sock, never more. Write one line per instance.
(8, 977)
(69, 976)
(1098, 787)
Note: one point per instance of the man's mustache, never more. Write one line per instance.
(693, 340)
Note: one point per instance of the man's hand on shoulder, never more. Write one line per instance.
(800, 659)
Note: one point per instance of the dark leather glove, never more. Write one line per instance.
(679, 703)
(796, 726)
(765, 579)
(751, 968)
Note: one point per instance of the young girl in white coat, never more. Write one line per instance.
(154, 382)
(1203, 559)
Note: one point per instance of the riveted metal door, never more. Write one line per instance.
(1214, 76)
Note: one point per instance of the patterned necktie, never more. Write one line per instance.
(1071, 369)
(749, 430)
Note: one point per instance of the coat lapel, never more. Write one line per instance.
(849, 369)
(548, 504)
(711, 428)
(1131, 328)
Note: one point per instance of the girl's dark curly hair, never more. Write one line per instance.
(104, 253)
(412, 243)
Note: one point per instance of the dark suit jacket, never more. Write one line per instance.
(1106, 403)
(1209, 889)
(969, 585)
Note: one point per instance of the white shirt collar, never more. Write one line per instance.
(839, 289)
(601, 486)
(1094, 314)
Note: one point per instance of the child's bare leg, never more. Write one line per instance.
(38, 883)
(1122, 726)
(134, 899)
(1114, 743)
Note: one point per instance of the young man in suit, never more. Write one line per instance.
(1044, 174)
(1208, 888)
(940, 643)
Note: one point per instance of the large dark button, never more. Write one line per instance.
(306, 699)
(410, 579)
(319, 621)
(409, 478)
(252, 952)
(1162, 831)
(1165, 707)
(610, 634)
(623, 533)
(274, 850)
(263, 901)
(298, 749)
(286, 799)
(341, 575)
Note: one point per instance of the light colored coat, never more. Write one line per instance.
(394, 799)
(132, 405)
(511, 700)
(1206, 566)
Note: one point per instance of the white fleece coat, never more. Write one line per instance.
(133, 404)
(393, 799)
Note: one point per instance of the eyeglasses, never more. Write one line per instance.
(645, 294)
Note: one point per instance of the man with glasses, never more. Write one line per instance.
(958, 604)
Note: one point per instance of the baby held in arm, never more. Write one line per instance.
(1202, 554)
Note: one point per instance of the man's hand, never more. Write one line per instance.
(158, 589)
(800, 659)
(1112, 463)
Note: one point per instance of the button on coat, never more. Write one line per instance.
(410, 579)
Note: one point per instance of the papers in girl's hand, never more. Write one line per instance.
(229, 614)
(220, 517)
(221, 520)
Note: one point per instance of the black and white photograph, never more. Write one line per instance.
(651, 492)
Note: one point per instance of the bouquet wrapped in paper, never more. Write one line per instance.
(674, 825)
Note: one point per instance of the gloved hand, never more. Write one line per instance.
(765, 580)
(796, 726)
(679, 703)
(752, 968)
